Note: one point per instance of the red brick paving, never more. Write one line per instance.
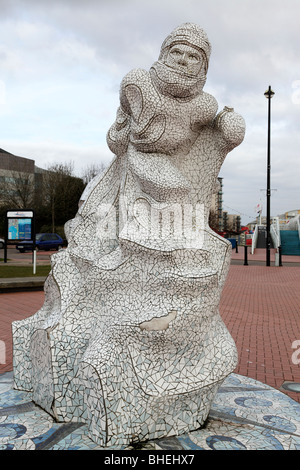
(260, 306)
(15, 306)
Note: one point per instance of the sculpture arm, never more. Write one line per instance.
(130, 110)
(118, 135)
(204, 111)
(231, 128)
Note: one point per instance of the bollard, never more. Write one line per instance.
(245, 255)
(34, 261)
(280, 259)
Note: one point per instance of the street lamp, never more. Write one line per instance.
(268, 94)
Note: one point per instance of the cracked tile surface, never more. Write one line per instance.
(130, 340)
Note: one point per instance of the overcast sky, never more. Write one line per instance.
(61, 64)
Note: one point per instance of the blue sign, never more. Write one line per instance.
(19, 225)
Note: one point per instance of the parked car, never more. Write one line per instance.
(44, 241)
(2, 243)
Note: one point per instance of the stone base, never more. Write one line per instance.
(245, 415)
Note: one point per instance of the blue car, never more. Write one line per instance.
(44, 241)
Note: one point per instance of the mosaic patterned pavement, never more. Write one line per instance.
(245, 415)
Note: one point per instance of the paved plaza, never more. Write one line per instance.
(260, 306)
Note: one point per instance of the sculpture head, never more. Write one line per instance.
(183, 61)
(188, 35)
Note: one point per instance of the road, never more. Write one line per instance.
(15, 257)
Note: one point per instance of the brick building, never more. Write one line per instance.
(19, 178)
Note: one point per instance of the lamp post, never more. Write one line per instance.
(268, 94)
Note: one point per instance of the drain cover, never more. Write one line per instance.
(291, 386)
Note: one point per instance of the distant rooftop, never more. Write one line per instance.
(11, 162)
(4, 151)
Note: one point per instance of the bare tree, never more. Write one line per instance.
(61, 187)
(91, 171)
(17, 189)
(213, 221)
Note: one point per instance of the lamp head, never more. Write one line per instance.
(269, 93)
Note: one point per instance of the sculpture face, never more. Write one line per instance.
(185, 58)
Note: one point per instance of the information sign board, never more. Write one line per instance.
(19, 225)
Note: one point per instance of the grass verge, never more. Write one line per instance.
(23, 271)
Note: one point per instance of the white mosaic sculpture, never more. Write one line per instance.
(129, 339)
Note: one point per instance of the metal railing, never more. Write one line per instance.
(254, 239)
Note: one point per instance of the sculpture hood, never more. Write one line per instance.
(190, 34)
